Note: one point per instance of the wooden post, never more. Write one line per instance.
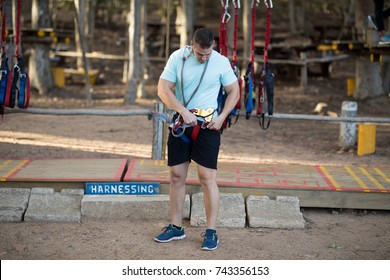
(347, 137)
(303, 57)
(158, 125)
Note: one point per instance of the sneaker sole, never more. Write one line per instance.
(210, 249)
(175, 238)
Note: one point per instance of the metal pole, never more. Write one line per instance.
(158, 124)
(150, 113)
(92, 112)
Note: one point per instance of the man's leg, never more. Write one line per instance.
(208, 180)
(379, 15)
(177, 192)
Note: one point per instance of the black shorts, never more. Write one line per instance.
(204, 150)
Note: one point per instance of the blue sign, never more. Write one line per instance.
(122, 188)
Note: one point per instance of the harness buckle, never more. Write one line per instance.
(207, 114)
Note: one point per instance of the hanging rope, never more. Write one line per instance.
(21, 81)
(237, 6)
(236, 110)
(249, 76)
(266, 88)
(223, 50)
(6, 75)
(225, 17)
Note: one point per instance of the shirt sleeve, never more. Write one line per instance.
(228, 77)
(170, 69)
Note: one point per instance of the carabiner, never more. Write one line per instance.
(257, 3)
(236, 4)
(268, 3)
(226, 14)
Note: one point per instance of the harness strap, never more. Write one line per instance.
(24, 86)
(249, 88)
(195, 132)
(178, 129)
(185, 103)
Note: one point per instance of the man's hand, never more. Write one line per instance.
(216, 123)
(189, 118)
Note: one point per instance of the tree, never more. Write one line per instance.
(185, 21)
(39, 63)
(82, 44)
(134, 57)
(370, 76)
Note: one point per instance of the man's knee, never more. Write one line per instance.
(178, 176)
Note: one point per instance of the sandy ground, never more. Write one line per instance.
(330, 233)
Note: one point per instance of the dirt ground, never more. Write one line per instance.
(329, 234)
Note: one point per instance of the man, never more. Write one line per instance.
(196, 73)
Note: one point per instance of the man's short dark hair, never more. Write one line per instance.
(204, 37)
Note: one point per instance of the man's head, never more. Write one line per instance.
(202, 44)
(204, 38)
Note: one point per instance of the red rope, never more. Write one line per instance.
(3, 31)
(17, 33)
(223, 32)
(235, 31)
(267, 34)
(252, 56)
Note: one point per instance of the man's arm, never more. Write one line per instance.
(233, 95)
(165, 92)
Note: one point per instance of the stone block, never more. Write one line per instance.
(231, 210)
(284, 212)
(47, 205)
(13, 204)
(129, 207)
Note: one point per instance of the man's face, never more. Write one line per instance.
(202, 55)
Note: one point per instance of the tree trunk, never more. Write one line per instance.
(134, 40)
(370, 76)
(80, 15)
(143, 73)
(185, 21)
(246, 28)
(39, 64)
(82, 27)
(291, 16)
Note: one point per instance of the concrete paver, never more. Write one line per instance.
(231, 211)
(284, 212)
(129, 207)
(46, 205)
(13, 204)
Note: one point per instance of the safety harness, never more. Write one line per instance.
(178, 128)
(249, 77)
(222, 96)
(17, 84)
(266, 85)
(21, 80)
(6, 75)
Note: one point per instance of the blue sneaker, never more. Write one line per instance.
(210, 241)
(170, 233)
(385, 40)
